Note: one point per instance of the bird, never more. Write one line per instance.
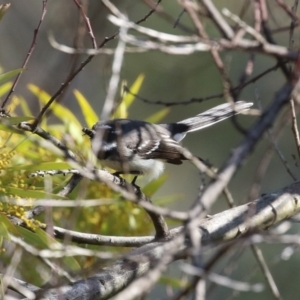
(141, 148)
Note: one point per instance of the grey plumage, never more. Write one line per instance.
(138, 147)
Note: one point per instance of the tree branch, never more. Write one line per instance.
(228, 225)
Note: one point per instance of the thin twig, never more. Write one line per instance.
(71, 77)
(226, 81)
(31, 49)
(115, 78)
(202, 99)
(87, 22)
(266, 271)
(224, 175)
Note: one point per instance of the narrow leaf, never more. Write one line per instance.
(4, 127)
(50, 242)
(41, 240)
(17, 120)
(6, 76)
(6, 227)
(154, 185)
(4, 88)
(31, 193)
(60, 111)
(88, 112)
(24, 106)
(44, 166)
(127, 100)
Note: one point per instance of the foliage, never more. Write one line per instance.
(22, 154)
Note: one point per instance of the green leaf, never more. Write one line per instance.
(154, 185)
(158, 116)
(174, 282)
(4, 88)
(164, 201)
(36, 194)
(4, 127)
(127, 100)
(50, 242)
(88, 112)
(136, 86)
(41, 240)
(6, 76)
(17, 120)
(24, 105)
(60, 111)
(6, 227)
(31, 238)
(43, 166)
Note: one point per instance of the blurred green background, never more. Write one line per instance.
(167, 78)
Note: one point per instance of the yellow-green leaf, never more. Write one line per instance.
(24, 105)
(31, 238)
(127, 100)
(6, 76)
(4, 127)
(6, 227)
(171, 281)
(88, 112)
(154, 185)
(43, 166)
(17, 120)
(158, 116)
(41, 240)
(60, 111)
(50, 242)
(31, 193)
(4, 88)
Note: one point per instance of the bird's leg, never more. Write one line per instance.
(133, 180)
(206, 162)
(136, 173)
(117, 174)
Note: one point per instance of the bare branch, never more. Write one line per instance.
(267, 211)
(31, 49)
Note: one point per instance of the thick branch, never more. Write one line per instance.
(225, 226)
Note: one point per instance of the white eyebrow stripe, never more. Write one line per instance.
(156, 145)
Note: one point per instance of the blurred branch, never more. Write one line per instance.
(239, 154)
(200, 100)
(60, 251)
(87, 22)
(79, 69)
(201, 43)
(115, 78)
(31, 49)
(255, 216)
(105, 51)
(266, 271)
